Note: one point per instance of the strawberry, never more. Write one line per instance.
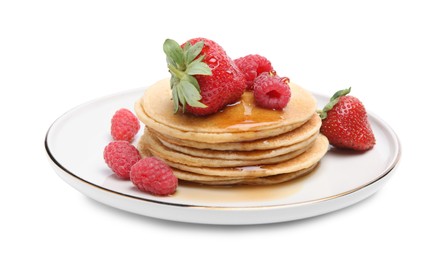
(203, 77)
(345, 122)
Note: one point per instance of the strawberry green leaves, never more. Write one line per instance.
(332, 101)
(183, 64)
(174, 54)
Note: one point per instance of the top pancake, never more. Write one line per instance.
(243, 116)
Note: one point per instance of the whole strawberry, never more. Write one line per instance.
(345, 123)
(203, 77)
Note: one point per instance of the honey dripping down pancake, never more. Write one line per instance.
(241, 144)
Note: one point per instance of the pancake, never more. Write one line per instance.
(239, 155)
(240, 117)
(209, 137)
(241, 144)
(155, 146)
(303, 161)
(220, 180)
(297, 135)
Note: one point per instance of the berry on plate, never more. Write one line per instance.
(271, 91)
(154, 176)
(203, 77)
(252, 66)
(124, 125)
(345, 123)
(120, 156)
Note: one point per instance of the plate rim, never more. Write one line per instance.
(393, 164)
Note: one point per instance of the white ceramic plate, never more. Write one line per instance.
(76, 140)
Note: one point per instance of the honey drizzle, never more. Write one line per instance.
(244, 115)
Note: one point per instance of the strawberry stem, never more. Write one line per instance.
(332, 101)
(177, 73)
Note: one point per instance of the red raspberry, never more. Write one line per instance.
(252, 66)
(154, 176)
(271, 91)
(120, 156)
(124, 125)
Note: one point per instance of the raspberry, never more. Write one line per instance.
(252, 66)
(271, 91)
(124, 125)
(154, 176)
(120, 156)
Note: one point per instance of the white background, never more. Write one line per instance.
(55, 55)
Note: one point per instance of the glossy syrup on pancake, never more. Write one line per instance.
(242, 116)
(246, 115)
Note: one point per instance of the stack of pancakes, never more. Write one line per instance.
(242, 144)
